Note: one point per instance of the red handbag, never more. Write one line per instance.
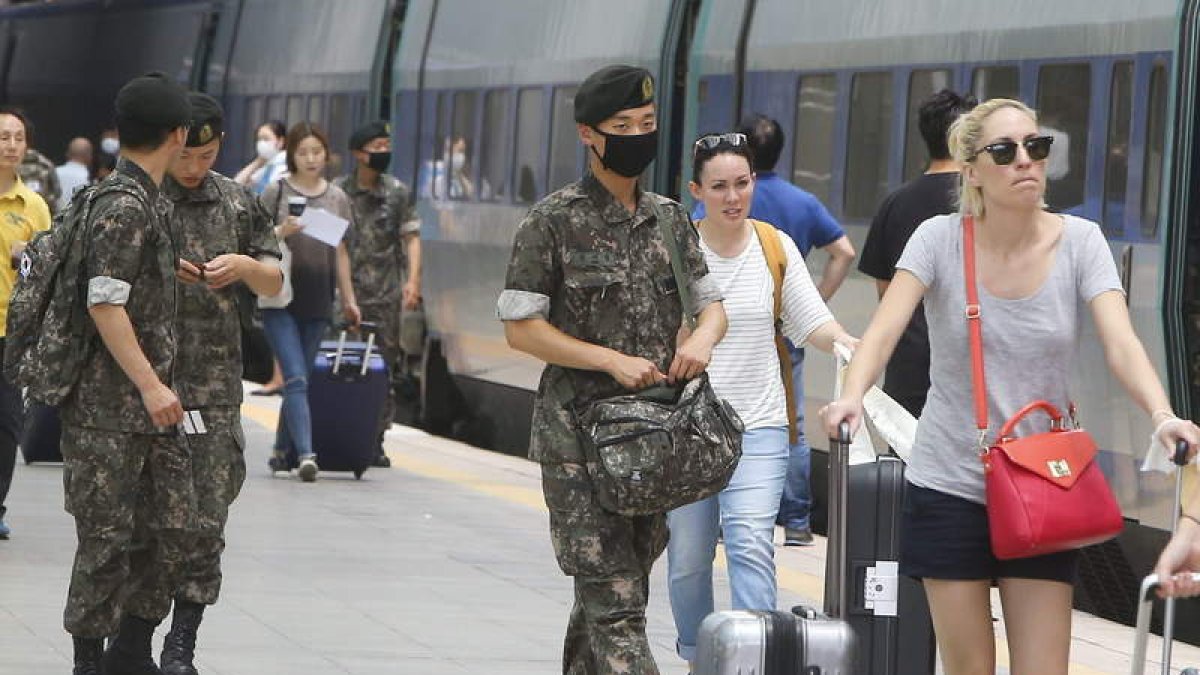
(1044, 492)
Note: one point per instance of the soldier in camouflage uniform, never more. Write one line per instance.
(590, 291)
(38, 174)
(385, 251)
(223, 236)
(120, 421)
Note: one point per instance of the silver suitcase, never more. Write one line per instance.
(800, 642)
(1146, 595)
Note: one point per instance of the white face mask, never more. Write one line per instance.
(110, 145)
(266, 150)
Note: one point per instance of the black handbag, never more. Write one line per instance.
(651, 451)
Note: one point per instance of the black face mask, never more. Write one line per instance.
(379, 161)
(628, 156)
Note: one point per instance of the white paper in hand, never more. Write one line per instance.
(323, 226)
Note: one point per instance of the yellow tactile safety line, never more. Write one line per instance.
(802, 583)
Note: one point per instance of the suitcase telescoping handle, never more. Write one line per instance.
(1150, 584)
(837, 587)
(364, 327)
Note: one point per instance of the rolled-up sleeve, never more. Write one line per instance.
(703, 287)
(118, 236)
(704, 293)
(533, 272)
(107, 291)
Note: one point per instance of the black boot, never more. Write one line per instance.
(179, 647)
(129, 652)
(87, 656)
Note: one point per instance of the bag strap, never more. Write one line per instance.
(772, 248)
(672, 244)
(974, 328)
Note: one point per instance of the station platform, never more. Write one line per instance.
(440, 565)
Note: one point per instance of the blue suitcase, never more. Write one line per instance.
(346, 393)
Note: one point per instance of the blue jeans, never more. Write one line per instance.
(797, 495)
(745, 513)
(295, 343)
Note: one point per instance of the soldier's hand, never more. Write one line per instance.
(163, 405)
(291, 225)
(634, 372)
(225, 269)
(412, 294)
(691, 358)
(188, 273)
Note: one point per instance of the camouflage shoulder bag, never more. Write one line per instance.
(664, 447)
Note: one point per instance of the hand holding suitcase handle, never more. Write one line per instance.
(368, 328)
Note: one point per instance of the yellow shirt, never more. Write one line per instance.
(23, 213)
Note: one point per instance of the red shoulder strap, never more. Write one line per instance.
(974, 326)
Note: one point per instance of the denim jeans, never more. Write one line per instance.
(295, 343)
(745, 514)
(797, 495)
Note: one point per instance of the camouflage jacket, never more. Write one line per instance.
(216, 218)
(596, 272)
(383, 219)
(129, 261)
(37, 171)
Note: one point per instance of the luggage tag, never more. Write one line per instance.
(193, 423)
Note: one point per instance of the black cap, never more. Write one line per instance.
(610, 90)
(154, 100)
(208, 119)
(369, 132)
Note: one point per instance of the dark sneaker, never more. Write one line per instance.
(308, 470)
(278, 464)
(795, 536)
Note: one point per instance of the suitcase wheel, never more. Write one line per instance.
(358, 473)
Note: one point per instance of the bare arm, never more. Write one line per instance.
(825, 335)
(841, 256)
(881, 286)
(346, 286)
(538, 338)
(412, 287)
(694, 351)
(243, 176)
(116, 330)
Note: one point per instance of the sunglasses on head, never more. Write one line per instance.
(1004, 152)
(714, 141)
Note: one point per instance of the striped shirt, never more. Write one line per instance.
(745, 366)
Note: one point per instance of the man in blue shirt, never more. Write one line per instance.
(810, 225)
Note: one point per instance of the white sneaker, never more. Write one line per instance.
(308, 470)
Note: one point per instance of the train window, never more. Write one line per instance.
(1152, 170)
(275, 110)
(458, 151)
(1116, 159)
(812, 149)
(338, 128)
(296, 110)
(494, 149)
(316, 110)
(921, 85)
(564, 140)
(996, 82)
(527, 182)
(869, 140)
(1063, 102)
(256, 116)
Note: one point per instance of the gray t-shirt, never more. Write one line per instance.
(1028, 346)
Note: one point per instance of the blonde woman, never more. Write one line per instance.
(1036, 270)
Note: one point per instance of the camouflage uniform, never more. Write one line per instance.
(383, 221)
(109, 443)
(598, 273)
(216, 218)
(39, 175)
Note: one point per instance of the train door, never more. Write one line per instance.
(379, 100)
(672, 91)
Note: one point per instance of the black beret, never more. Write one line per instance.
(208, 119)
(610, 90)
(154, 100)
(369, 132)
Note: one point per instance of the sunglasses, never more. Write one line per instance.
(714, 141)
(1005, 152)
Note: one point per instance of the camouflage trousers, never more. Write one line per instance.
(103, 474)
(218, 472)
(610, 557)
(387, 317)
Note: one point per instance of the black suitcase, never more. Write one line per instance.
(346, 394)
(887, 612)
(41, 433)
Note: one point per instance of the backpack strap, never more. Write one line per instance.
(768, 237)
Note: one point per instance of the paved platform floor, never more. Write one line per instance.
(439, 565)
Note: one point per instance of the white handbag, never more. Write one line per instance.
(284, 298)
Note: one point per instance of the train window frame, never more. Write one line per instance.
(276, 108)
(1149, 201)
(458, 123)
(296, 109)
(1116, 175)
(801, 148)
(256, 116)
(564, 138)
(315, 110)
(1070, 136)
(338, 130)
(914, 143)
(533, 135)
(859, 205)
(495, 145)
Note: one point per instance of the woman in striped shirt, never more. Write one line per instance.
(745, 371)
